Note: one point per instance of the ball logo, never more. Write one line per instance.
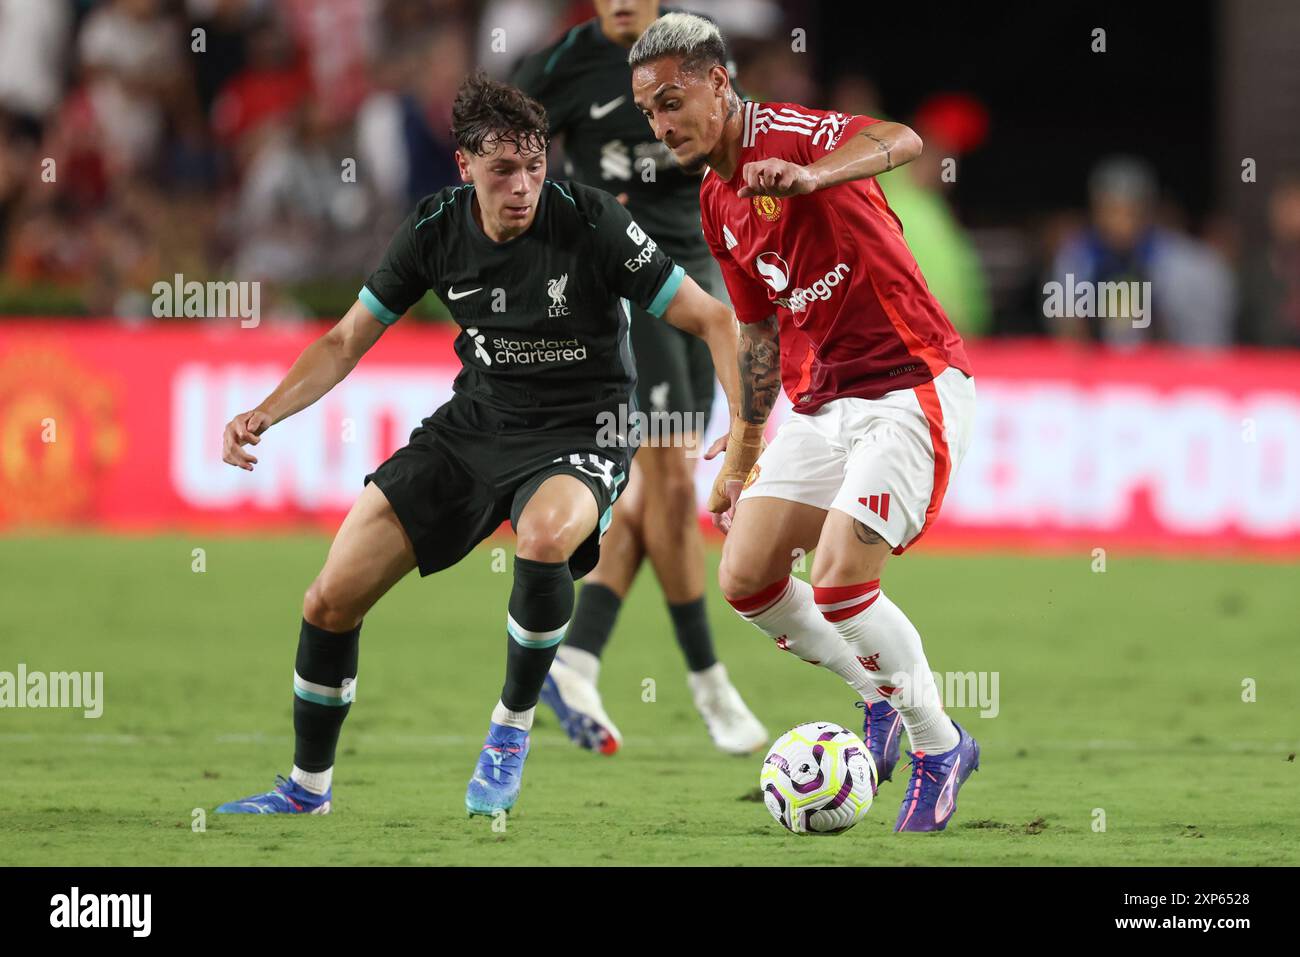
(774, 270)
(769, 207)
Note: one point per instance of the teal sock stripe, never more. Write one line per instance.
(320, 698)
(534, 639)
(321, 694)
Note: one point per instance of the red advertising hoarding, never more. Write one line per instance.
(114, 428)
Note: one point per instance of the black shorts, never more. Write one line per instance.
(453, 484)
(674, 371)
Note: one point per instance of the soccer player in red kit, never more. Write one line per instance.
(882, 389)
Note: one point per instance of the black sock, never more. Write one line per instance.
(593, 621)
(327, 662)
(691, 622)
(541, 604)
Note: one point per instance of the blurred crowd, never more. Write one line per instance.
(282, 141)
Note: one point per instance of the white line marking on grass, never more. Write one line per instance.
(555, 738)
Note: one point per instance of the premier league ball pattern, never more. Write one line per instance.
(818, 778)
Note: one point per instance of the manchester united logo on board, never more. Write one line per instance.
(58, 434)
(769, 207)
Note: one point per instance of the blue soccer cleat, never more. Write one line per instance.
(882, 730)
(576, 702)
(931, 797)
(287, 797)
(499, 772)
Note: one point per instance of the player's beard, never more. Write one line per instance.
(695, 167)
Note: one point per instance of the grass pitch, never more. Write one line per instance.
(1120, 703)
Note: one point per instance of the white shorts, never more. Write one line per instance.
(886, 462)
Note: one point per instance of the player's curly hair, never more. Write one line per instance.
(488, 112)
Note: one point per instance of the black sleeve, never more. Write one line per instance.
(634, 265)
(401, 279)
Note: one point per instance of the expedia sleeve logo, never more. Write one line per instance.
(647, 251)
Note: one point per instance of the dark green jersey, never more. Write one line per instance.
(586, 86)
(544, 328)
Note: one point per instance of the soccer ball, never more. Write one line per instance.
(818, 778)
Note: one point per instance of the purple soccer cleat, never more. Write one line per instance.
(882, 730)
(931, 797)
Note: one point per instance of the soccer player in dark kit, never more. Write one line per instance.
(585, 84)
(538, 274)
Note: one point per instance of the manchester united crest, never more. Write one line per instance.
(769, 207)
(59, 434)
(751, 478)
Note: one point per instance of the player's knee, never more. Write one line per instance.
(545, 541)
(741, 580)
(326, 607)
(674, 503)
(670, 488)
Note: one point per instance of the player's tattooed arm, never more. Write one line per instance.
(760, 369)
(759, 356)
(877, 149)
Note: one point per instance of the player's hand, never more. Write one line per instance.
(722, 501)
(242, 430)
(727, 486)
(776, 177)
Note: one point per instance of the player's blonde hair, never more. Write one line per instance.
(695, 40)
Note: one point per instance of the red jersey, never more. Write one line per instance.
(856, 316)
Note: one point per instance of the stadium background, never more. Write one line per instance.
(127, 158)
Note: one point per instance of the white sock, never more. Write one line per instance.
(785, 612)
(523, 720)
(583, 662)
(880, 636)
(317, 782)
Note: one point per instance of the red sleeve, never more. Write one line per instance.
(832, 131)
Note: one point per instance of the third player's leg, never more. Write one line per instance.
(671, 526)
(623, 547)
